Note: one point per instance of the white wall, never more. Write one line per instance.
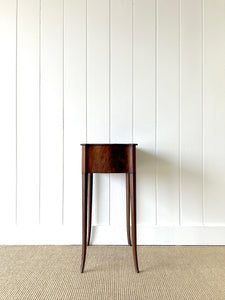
(151, 72)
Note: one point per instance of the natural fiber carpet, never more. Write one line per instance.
(52, 272)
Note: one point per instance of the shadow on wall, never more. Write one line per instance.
(155, 174)
(145, 168)
(163, 175)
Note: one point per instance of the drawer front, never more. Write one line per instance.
(109, 159)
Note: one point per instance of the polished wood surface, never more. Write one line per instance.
(108, 158)
(128, 207)
(113, 158)
(90, 184)
(133, 218)
(84, 219)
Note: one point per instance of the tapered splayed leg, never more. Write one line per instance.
(133, 219)
(128, 207)
(84, 220)
(90, 187)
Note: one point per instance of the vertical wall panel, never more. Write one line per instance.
(74, 107)
(119, 71)
(144, 114)
(51, 111)
(121, 96)
(28, 112)
(98, 96)
(8, 112)
(214, 111)
(191, 112)
(168, 112)
(98, 71)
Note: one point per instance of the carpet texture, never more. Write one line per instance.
(171, 272)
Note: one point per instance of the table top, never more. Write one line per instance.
(108, 158)
(109, 144)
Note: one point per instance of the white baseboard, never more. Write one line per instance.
(40, 235)
(113, 235)
(147, 235)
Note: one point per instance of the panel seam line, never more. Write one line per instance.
(39, 204)
(156, 111)
(179, 127)
(63, 96)
(109, 102)
(86, 69)
(132, 69)
(16, 100)
(203, 167)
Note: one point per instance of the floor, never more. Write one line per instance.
(166, 272)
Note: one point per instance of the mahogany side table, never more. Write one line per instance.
(108, 158)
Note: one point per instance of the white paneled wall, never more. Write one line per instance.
(213, 113)
(167, 112)
(191, 116)
(8, 115)
(121, 100)
(98, 96)
(28, 113)
(144, 115)
(117, 71)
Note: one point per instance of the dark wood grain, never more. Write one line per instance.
(108, 144)
(84, 220)
(90, 184)
(128, 207)
(108, 158)
(133, 218)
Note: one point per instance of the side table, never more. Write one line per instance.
(108, 158)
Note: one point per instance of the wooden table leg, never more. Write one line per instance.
(84, 220)
(133, 219)
(128, 207)
(90, 187)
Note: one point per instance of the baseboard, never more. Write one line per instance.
(40, 235)
(146, 235)
(113, 235)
